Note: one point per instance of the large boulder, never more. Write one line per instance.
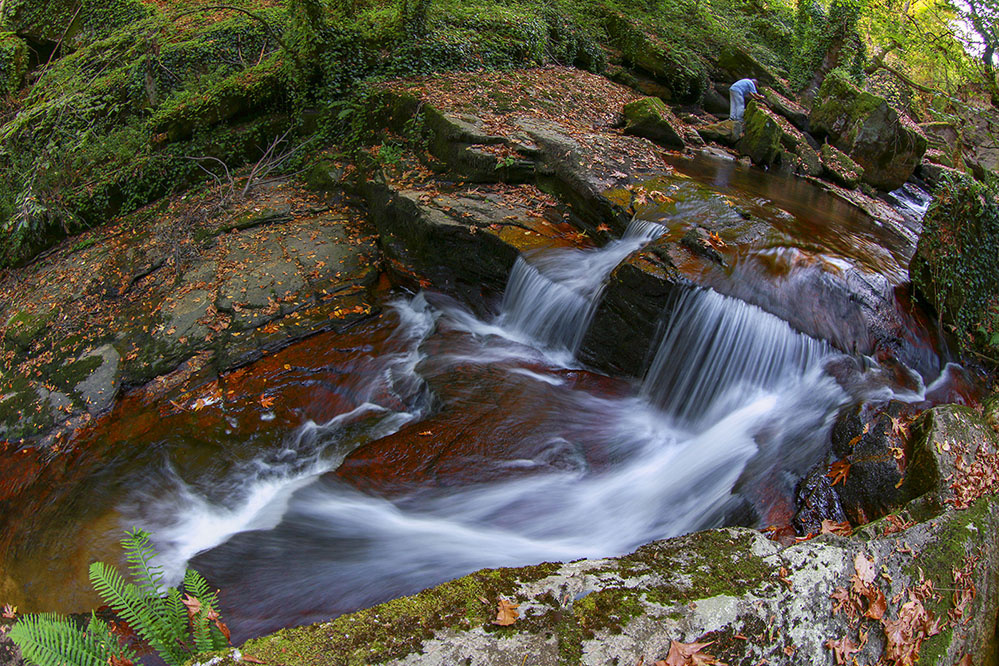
(869, 130)
(680, 70)
(771, 140)
(954, 268)
(652, 119)
(735, 62)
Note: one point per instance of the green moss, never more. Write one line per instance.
(23, 327)
(716, 562)
(68, 375)
(13, 63)
(398, 627)
(607, 610)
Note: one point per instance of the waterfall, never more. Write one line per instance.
(550, 297)
(717, 351)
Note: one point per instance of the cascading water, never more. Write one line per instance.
(716, 350)
(575, 470)
(550, 299)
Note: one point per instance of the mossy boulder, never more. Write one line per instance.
(652, 119)
(954, 267)
(13, 63)
(682, 71)
(770, 140)
(946, 139)
(839, 168)
(869, 130)
(23, 326)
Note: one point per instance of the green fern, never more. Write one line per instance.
(160, 617)
(54, 640)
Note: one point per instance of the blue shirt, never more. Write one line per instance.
(743, 86)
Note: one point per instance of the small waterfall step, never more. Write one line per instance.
(716, 351)
(551, 298)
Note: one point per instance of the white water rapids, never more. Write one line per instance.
(289, 543)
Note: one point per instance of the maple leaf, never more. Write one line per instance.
(9, 612)
(688, 654)
(842, 649)
(831, 527)
(115, 660)
(266, 401)
(506, 613)
(193, 605)
(838, 471)
(877, 605)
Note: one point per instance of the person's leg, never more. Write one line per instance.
(736, 105)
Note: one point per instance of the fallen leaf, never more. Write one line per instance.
(266, 401)
(877, 605)
(115, 660)
(831, 527)
(965, 661)
(688, 654)
(426, 433)
(865, 571)
(506, 613)
(193, 605)
(842, 649)
(838, 471)
(252, 660)
(9, 612)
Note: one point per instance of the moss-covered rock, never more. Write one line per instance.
(839, 168)
(13, 63)
(22, 327)
(769, 139)
(682, 71)
(652, 119)
(869, 130)
(954, 268)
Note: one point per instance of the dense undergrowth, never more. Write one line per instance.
(127, 101)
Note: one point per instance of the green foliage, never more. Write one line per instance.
(49, 639)
(955, 264)
(175, 626)
(13, 63)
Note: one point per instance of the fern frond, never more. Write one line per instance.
(176, 612)
(139, 554)
(139, 611)
(196, 585)
(53, 640)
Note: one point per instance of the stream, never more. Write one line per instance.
(429, 442)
